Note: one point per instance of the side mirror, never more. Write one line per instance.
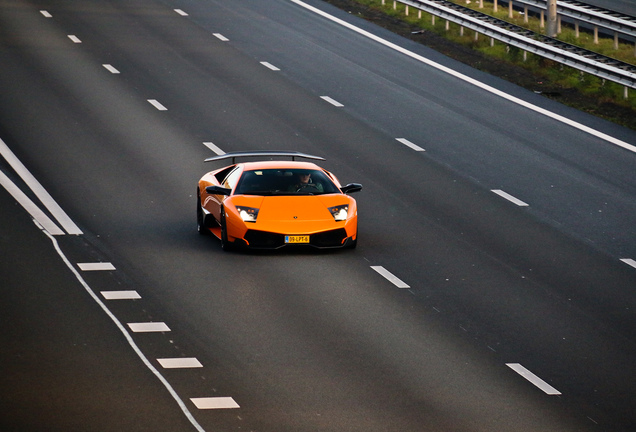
(351, 188)
(218, 190)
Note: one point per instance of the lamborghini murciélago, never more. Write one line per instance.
(271, 204)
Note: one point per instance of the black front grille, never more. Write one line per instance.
(264, 239)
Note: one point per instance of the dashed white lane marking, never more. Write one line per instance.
(509, 197)
(40, 192)
(46, 14)
(180, 12)
(74, 38)
(410, 144)
(96, 266)
(155, 103)
(149, 327)
(214, 148)
(219, 36)
(120, 295)
(390, 277)
(110, 69)
(270, 66)
(179, 363)
(629, 261)
(332, 101)
(214, 403)
(127, 336)
(35, 212)
(538, 382)
(468, 79)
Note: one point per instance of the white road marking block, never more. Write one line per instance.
(180, 12)
(110, 69)
(214, 148)
(46, 14)
(509, 197)
(390, 277)
(214, 403)
(270, 66)
(538, 382)
(120, 295)
(96, 266)
(178, 363)
(74, 38)
(332, 101)
(629, 261)
(220, 37)
(410, 144)
(155, 103)
(149, 327)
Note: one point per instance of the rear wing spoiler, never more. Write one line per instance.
(261, 154)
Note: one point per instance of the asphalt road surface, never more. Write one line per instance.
(492, 288)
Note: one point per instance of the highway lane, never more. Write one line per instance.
(337, 346)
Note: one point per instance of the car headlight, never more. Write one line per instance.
(340, 212)
(248, 214)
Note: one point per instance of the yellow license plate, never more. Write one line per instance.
(297, 239)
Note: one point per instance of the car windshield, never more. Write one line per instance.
(285, 182)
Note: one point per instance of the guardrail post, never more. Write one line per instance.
(615, 40)
(494, 6)
(576, 29)
(525, 14)
(542, 19)
(394, 4)
(406, 10)
(510, 15)
(625, 92)
(552, 29)
(433, 20)
(461, 30)
(481, 4)
(596, 35)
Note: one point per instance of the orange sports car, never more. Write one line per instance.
(272, 204)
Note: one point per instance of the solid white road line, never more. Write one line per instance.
(332, 101)
(214, 403)
(270, 66)
(155, 103)
(74, 38)
(148, 327)
(469, 80)
(214, 148)
(96, 266)
(39, 191)
(35, 212)
(629, 261)
(410, 144)
(129, 339)
(46, 14)
(220, 37)
(538, 382)
(179, 363)
(180, 12)
(120, 295)
(110, 69)
(390, 277)
(509, 197)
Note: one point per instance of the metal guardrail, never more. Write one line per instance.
(527, 40)
(593, 15)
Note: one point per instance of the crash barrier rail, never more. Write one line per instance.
(581, 12)
(529, 41)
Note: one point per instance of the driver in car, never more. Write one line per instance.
(305, 183)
